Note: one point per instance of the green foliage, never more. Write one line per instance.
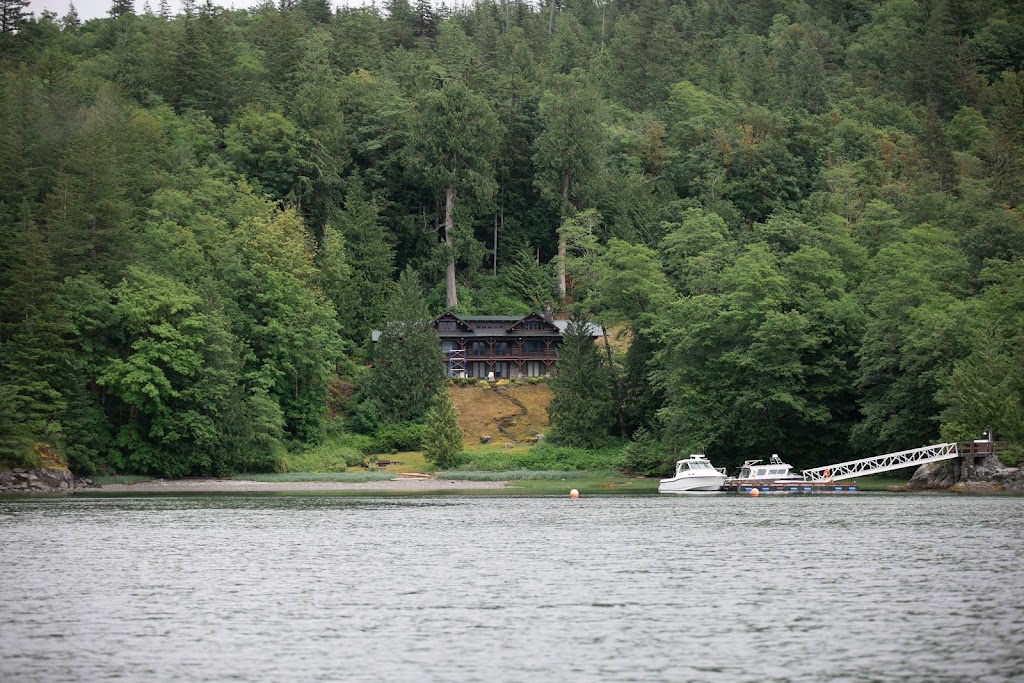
(442, 438)
(645, 455)
(392, 437)
(813, 239)
(408, 368)
(548, 457)
(580, 411)
(333, 455)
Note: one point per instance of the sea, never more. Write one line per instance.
(483, 587)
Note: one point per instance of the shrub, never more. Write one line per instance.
(366, 416)
(1012, 457)
(644, 455)
(392, 437)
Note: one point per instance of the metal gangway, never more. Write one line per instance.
(883, 463)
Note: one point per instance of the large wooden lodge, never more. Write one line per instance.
(501, 346)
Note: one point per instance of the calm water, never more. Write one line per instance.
(866, 587)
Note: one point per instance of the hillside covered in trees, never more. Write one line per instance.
(805, 215)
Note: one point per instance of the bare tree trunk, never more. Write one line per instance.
(566, 181)
(452, 299)
(616, 386)
(494, 260)
(551, 19)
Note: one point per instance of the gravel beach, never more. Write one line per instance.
(239, 486)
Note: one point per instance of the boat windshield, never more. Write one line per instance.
(701, 465)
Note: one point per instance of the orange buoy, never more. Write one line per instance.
(754, 492)
(574, 494)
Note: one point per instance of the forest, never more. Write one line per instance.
(800, 221)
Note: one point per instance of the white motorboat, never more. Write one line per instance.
(775, 470)
(693, 474)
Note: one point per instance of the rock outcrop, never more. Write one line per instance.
(51, 476)
(40, 481)
(988, 475)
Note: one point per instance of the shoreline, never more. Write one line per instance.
(214, 485)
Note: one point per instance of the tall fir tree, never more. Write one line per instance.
(580, 411)
(408, 368)
(442, 438)
(32, 350)
(455, 141)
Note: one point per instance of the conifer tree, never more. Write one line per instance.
(456, 137)
(580, 411)
(13, 14)
(362, 298)
(567, 150)
(70, 21)
(121, 8)
(31, 348)
(408, 368)
(442, 438)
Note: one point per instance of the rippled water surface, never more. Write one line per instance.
(865, 587)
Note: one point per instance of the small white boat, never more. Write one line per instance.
(775, 470)
(693, 474)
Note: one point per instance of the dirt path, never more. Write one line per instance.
(507, 421)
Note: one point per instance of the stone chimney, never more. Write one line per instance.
(547, 312)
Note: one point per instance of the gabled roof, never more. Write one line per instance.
(511, 325)
(533, 317)
(448, 315)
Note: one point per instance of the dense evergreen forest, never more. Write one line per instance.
(804, 217)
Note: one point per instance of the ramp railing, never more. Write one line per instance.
(882, 463)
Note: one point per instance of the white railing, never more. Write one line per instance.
(882, 463)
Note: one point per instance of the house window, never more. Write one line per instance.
(531, 325)
(500, 370)
(534, 369)
(448, 346)
(446, 326)
(501, 348)
(478, 370)
(479, 348)
(533, 346)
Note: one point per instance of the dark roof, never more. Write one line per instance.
(467, 320)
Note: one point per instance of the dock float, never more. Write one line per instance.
(790, 487)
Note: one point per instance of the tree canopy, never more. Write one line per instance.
(799, 223)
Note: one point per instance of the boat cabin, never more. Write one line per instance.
(775, 469)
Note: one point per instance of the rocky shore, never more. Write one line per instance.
(44, 480)
(988, 476)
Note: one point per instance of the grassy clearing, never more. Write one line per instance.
(546, 457)
(481, 409)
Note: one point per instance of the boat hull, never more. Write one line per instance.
(706, 482)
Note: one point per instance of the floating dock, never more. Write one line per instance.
(789, 487)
